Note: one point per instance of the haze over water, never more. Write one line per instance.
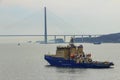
(26, 62)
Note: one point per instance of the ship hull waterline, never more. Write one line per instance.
(61, 62)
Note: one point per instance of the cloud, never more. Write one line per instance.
(30, 4)
(84, 16)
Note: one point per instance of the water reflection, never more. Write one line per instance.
(71, 73)
(70, 70)
(66, 73)
(67, 70)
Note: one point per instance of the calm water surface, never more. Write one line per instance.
(26, 62)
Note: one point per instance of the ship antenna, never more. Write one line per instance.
(71, 42)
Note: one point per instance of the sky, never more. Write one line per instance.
(26, 17)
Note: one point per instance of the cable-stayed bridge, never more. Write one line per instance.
(46, 36)
(55, 38)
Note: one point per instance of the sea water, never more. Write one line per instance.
(26, 62)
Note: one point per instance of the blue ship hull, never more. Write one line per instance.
(61, 62)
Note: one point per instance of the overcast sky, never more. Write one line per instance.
(64, 16)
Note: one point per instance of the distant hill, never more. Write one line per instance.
(110, 38)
